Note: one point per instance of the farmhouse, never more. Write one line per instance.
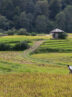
(56, 33)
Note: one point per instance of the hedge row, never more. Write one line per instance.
(17, 47)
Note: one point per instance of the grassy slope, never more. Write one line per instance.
(36, 83)
(56, 46)
(17, 62)
(54, 58)
(9, 39)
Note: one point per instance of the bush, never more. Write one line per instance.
(21, 46)
(2, 31)
(4, 47)
(23, 31)
(62, 35)
(11, 32)
(33, 34)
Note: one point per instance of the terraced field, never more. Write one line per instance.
(56, 46)
(55, 52)
(40, 74)
(54, 59)
(15, 39)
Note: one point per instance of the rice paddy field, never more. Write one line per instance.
(43, 73)
(15, 38)
(56, 46)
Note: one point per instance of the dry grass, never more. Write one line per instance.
(14, 57)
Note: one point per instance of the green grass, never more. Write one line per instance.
(36, 75)
(6, 67)
(13, 40)
(55, 59)
(56, 46)
(12, 62)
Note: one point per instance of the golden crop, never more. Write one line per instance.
(35, 85)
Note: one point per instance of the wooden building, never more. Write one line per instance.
(56, 32)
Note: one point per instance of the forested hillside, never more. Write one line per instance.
(39, 16)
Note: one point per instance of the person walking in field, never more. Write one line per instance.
(70, 68)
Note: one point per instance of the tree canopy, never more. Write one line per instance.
(36, 15)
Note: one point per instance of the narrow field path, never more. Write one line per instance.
(33, 48)
(26, 53)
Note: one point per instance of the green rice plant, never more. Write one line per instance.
(56, 46)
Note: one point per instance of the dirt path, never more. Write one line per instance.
(26, 53)
(33, 48)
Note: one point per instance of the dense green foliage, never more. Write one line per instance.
(4, 47)
(36, 15)
(16, 47)
(21, 46)
(62, 35)
(23, 32)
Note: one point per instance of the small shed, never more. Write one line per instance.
(56, 32)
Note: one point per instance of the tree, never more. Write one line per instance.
(61, 21)
(26, 13)
(16, 21)
(7, 9)
(24, 23)
(41, 23)
(68, 14)
(26, 20)
(55, 8)
(22, 31)
(50, 25)
(64, 19)
(42, 8)
(4, 23)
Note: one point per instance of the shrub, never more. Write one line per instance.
(33, 34)
(21, 46)
(23, 31)
(4, 47)
(62, 35)
(11, 32)
(2, 31)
